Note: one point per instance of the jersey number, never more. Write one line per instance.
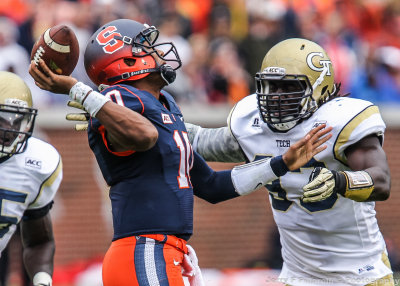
(7, 196)
(280, 201)
(185, 164)
(115, 96)
(185, 149)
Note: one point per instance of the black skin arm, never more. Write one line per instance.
(38, 245)
(368, 155)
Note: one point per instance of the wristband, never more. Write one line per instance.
(42, 279)
(278, 166)
(91, 100)
(354, 185)
(249, 177)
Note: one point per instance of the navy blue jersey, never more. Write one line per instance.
(151, 191)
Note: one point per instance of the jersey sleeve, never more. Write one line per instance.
(215, 144)
(50, 176)
(124, 96)
(210, 185)
(244, 121)
(359, 119)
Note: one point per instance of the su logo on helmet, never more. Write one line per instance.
(106, 39)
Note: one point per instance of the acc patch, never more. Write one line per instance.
(166, 119)
(33, 163)
(318, 123)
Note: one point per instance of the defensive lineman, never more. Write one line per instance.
(30, 174)
(329, 232)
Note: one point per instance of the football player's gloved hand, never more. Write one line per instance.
(84, 117)
(323, 183)
(80, 117)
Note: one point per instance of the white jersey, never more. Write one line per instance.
(334, 240)
(28, 181)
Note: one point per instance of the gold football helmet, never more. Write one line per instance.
(17, 116)
(296, 77)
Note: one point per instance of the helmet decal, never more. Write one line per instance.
(275, 70)
(16, 102)
(106, 39)
(325, 64)
(324, 69)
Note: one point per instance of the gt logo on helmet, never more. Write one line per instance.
(325, 64)
(106, 39)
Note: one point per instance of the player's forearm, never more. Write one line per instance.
(38, 246)
(368, 155)
(39, 258)
(382, 183)
(215, 187)
(215, 144)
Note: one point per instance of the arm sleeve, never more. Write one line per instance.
(212, 186)
(215, 144)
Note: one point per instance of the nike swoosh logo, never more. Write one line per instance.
(176, 263)
(258, 185)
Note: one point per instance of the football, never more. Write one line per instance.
(59, 49)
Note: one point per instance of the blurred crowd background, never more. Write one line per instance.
(222, 42)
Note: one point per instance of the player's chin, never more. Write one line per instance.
(156, 80)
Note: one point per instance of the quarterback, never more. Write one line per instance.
(30, 174)
(328, 229)
(138, 136)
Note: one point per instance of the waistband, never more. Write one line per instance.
(174, 241)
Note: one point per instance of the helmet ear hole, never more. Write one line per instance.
(129, 62)
(102, 76)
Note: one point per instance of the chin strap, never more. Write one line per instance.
(168, 74)
(127, 75)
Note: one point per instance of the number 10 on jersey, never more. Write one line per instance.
(186, 158)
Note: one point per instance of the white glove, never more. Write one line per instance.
(191, 269)
(42, 279)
